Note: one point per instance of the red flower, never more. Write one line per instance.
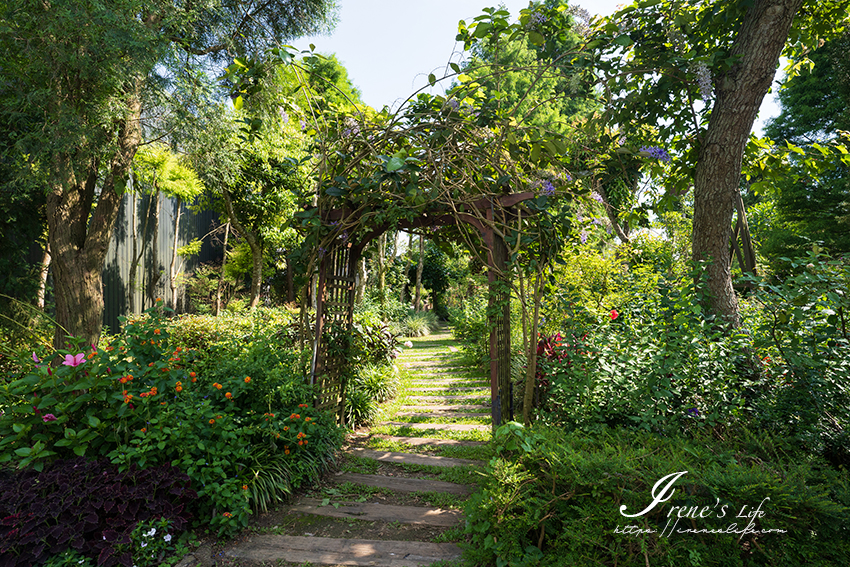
(614, 314)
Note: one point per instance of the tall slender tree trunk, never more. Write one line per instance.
(382, 266)
(531, 375)
(153, 275)
(419, 266)
(740, 92)
(44, 269)
(362, 277)
(254, 245)
(172, 271)
(221, 279)
(290, 280)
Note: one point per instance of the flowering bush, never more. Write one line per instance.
(140, 401)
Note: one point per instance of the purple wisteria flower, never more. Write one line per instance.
(596, 197)
(536, 20)
(284, 116)
(453, 103)
(656, 152)
(694, 412)
(303, 124)
(547, 188)
(584, 237)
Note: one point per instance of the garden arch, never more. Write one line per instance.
(335, 300)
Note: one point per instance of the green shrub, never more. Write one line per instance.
(418, 324)
(140, 401)
(553, 498)
(372, 385)
(804, 349)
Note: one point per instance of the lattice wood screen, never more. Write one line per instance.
(500, 338)
(334, 318)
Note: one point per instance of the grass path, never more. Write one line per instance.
(397, 499)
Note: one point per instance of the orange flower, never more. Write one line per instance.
(227, 515)
(301, 442)
(156, 331)
(286, 451)
(247, 379)
(150, 364)
(277, 436)
(217, 385)
(244, 487)
(178, 388)
(192, 374)
(212, 421)
(228, 395)
(305, 441)
(144, 430)
(286, 428)
(158, 299)
(194, 379)
(125, 393)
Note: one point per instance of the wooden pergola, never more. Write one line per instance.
(335, 298)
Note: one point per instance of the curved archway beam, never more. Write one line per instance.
(483, 221)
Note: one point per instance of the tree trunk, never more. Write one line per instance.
(172, 271)
(613, 214)
(382, 269)
(740, 92)
(221, 279)
(531, 375)
(290, 281)
(79, 236)
(42, 277)
(256, 250)
(153, 274)
(419, 266)
(362, 277)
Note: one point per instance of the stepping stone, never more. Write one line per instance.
(411, 459)
(441, 426)
(455, 388)
(420, 515)
(418, 441)
(442, 414)
(336, 551)
(446, 408)
(450, 381)
(438, 398)
(403, 484)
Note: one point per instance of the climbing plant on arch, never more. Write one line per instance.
(454, 167)
(468, 165)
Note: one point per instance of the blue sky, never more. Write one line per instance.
(390, 46)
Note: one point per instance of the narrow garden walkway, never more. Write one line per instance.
(397, 499)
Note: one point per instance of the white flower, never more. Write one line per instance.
(408, 344)
(167, 537)
(144, 544)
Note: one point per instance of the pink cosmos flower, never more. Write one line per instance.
(35, 358)
(48, 417)
(74, 360)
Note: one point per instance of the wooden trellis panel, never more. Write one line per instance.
(334, 319)
(500, 336)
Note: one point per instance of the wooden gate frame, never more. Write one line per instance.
(335, 303)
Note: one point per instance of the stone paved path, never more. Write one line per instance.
(402, 484)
